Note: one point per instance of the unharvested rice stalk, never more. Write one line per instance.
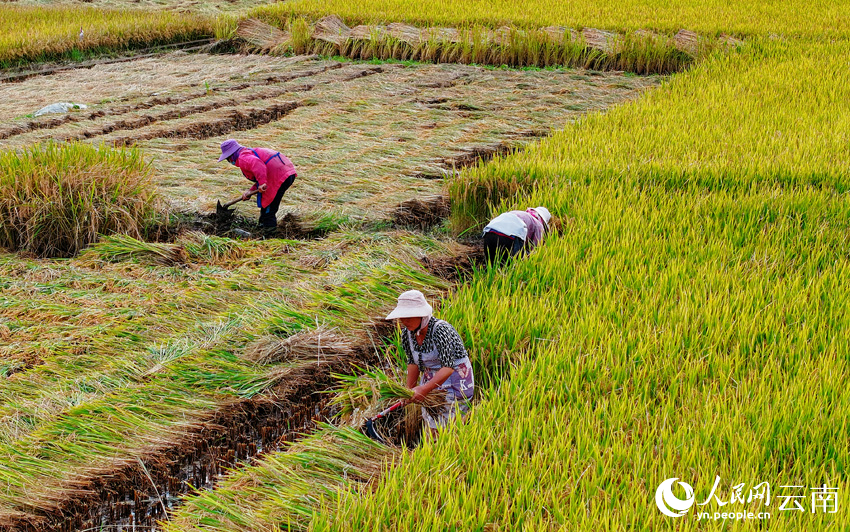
(118, 248)
(56, 199)
(312, 345)
(708, 17)
(30, 33)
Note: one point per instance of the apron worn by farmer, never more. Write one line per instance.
(442, 347)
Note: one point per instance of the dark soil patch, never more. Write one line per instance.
(231, 226)
(474, 155)
(233, 120)
(422, 213)
(456, 268)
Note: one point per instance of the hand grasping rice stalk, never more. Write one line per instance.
(361, 397)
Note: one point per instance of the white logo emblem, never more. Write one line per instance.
(671, 505)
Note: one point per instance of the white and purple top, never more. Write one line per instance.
(508, 224)
(533, 223)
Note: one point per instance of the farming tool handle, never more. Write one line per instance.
(237, 200)
(388, 410)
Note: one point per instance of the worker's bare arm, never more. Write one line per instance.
(412, 375)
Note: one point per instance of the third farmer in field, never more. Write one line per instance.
(272, 173)
(515, 232)
(436, 357)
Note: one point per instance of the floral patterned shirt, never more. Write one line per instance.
(440, 335)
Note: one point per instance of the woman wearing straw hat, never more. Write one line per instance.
(515, 232)
(271, 172)
(436, 357)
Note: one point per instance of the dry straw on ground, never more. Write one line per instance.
(311, 345)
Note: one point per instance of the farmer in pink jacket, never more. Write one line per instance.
(272, 173)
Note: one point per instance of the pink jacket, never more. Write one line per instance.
(534, 224)
(271, 169)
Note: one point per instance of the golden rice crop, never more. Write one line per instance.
(772, 114)
(685, 324)
(711, 17)
(667, 333)
(42, 33)
(57, 198)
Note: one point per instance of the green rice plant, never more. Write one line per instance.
(30, 33)
(57, 198)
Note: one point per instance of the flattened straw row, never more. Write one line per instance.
(191, 245)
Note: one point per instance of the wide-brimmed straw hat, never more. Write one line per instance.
(411, 304)
(544, 213)
(228, 148)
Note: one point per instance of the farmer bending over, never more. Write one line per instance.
(272, 173)
(515, 232)
(435, 357)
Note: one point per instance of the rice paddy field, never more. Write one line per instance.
(687, 321)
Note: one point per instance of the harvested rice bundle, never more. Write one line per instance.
(262, 35)
(209, 248)
(312, 345)
(360, 397)
(118, 248)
